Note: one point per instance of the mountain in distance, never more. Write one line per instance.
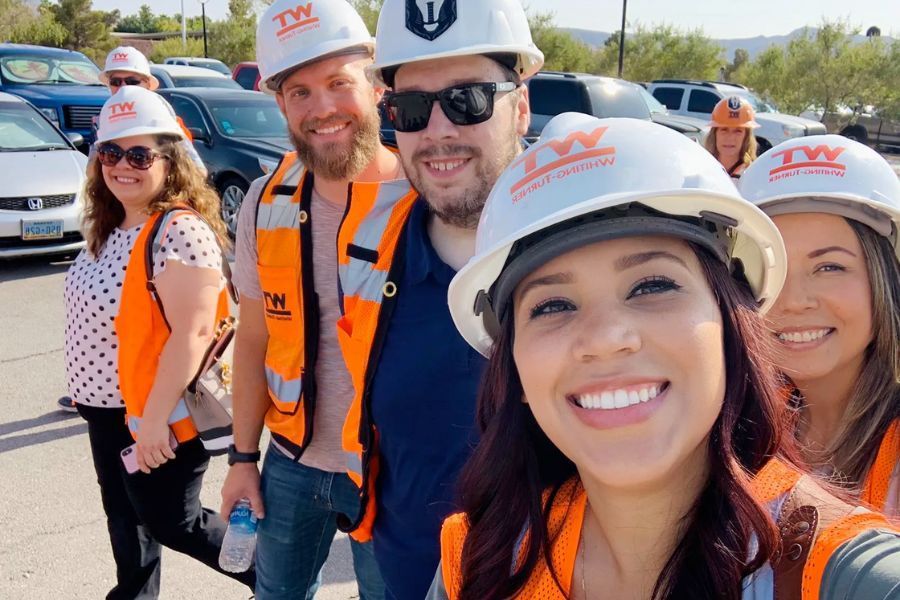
(753, 45)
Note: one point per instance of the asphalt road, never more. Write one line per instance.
(53, 539)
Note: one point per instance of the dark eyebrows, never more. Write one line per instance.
(821, 251)
(634, 260)
(553, 279)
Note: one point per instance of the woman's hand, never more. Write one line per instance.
(153, 444)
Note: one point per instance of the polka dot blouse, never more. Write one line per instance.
(93, 290)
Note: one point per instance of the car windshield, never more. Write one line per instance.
(758, 105)
(26, 69)
(654, 105)
(213, 65)
(618, 99)
(207, 82)
(23, 129)
(248, 118)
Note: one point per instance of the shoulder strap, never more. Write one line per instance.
(155, 232)
(812, 525)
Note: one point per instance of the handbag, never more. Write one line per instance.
(208, 394)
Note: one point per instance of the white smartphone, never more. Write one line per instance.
(129, 454)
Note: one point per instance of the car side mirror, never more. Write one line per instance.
(199, 135)
(76, 138)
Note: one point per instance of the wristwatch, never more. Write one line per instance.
(241, 457)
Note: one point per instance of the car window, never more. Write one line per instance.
(212, 66)
(702, 101)
(555, 96)
(653, 105)
(188, 111)
(36, 69)
(669, 96)
(617, 99)
(22, 128)
(246, 77)
(208, 82)
(254, 117)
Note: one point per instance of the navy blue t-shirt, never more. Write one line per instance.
(423, 405)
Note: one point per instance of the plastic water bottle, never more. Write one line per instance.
(236, 554)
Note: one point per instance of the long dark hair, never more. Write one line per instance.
(502, 485)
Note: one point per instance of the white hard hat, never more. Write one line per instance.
(417, 30)
(130, 60)
(564, 188)
(292, 33)
(136, 111)
(830, 174)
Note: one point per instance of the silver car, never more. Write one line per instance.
(43, 182)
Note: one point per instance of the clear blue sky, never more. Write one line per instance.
(718, 18)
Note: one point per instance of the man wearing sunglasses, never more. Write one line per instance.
(456, 99)
(289, 373)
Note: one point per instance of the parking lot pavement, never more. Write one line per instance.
(53, 540)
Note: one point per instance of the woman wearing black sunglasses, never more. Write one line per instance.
(141, 305)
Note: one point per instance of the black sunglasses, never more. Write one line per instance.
(139, 157)
(465, 104)
(120, 81)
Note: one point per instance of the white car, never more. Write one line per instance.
(179, 76)
(698, 98)
(40, 202)
(194, 61)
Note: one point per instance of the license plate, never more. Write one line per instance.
(41, 230)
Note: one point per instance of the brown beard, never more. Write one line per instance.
(338, 161)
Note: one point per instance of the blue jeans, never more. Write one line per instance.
(302, 504)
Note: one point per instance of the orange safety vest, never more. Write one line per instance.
(141, 339)
(369, 265)
(833, 524)
(284, 247)
(883, 472)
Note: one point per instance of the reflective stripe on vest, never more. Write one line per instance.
(283, 244)
(367, 248)
(567, 516)
(883, 474)
(143, 332)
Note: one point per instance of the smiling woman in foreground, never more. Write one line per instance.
(628, 403)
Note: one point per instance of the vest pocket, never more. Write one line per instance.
(285, 352)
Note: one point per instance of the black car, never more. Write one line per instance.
(551, 93)
(240, 135)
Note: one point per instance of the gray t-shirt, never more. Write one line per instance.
(334, 386)
(865, 568)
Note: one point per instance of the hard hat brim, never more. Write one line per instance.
(272, 85)
(757, 244)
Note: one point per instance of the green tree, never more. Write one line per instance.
(87, 30)
(825, 69)
(369, 11)
(142, 22)
(173, 47)
(20, 23)
(562, 51)
(234, 39)
(735, 68)
(662, 52)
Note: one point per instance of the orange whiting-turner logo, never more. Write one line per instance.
(296, 20)
(538, 173)
(121, 111)
(808, 160)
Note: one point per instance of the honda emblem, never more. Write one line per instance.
(35, 203)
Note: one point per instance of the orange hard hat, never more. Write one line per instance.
(733, 111)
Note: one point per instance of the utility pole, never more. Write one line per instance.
(183, 29)
(622, 38)
(203, 12)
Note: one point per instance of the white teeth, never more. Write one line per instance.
(797, 337)
(607, 401)
(446, 166)
(330, 130)
(126, 180)
(613, 399)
